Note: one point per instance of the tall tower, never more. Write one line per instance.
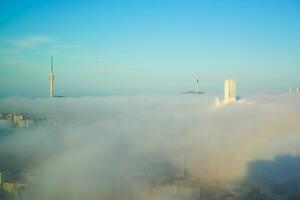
(229, 91)
(51, 78)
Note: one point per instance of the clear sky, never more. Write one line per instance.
(148, 47)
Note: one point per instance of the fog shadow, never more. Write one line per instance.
(274, 179)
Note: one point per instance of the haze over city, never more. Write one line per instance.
(149, 100)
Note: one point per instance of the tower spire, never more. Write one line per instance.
(197, 86)
(52, 64)
(51, 78)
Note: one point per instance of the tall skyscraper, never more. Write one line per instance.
(51, 78)
(229, 91)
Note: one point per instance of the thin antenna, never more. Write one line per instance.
(52, 64)
(197, 86)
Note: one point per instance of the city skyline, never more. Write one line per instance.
(134, 47)
(149, 100)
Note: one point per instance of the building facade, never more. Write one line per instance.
(229, 91)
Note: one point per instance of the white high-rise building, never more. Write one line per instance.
(51, 78)
(229, 91)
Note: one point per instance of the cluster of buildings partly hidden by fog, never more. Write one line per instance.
(295, 90)
(12, 120)
(108, 154)
(230, 94)
(230, 90)
(15, 120)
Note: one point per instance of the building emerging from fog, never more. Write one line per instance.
(14, 120)
(229, 91)
(229, 94)
(293, 91)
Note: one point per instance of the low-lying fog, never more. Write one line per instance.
(84, 148)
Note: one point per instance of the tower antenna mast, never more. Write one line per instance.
(51, 78)
(52, 64)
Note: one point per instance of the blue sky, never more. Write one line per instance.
(148, 47)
